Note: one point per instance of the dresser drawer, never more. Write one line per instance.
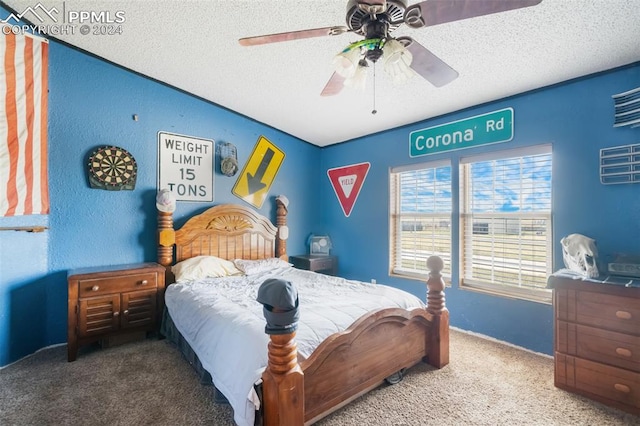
(615, 385)
(116, 284)
(617, 349)
(600, 310)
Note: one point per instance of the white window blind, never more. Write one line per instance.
(506, 238)
(420, 218)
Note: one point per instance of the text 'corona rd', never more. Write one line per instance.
(446, 139)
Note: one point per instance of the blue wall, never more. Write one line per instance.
(91, 103)
(577, 119)
(23, 288)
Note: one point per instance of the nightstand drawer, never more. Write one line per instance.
(316, 263)
(321, 264)
(101, 315)
(116, 284)
(138, 308)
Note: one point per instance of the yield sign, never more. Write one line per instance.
(346, 182)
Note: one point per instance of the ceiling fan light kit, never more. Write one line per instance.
(402, 57)
(352, 62)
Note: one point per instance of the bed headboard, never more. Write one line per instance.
(229, 231)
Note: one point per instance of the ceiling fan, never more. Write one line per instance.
(402, 57)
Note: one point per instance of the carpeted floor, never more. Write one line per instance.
(149, 383)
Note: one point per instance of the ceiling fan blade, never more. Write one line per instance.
(428, 65)
(334, 85)
(429, 13)
(292, 35)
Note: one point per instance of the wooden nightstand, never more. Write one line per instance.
(113, 301)
(315, 262)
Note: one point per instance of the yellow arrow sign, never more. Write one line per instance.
(259, 172)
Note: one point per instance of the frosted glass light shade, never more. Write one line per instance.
(359, 78)
(346, 63)
(397, 60)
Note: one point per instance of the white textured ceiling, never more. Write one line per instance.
(193, 45)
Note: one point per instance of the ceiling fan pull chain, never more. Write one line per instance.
(374, 111)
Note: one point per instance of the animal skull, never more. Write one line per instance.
(580, 254)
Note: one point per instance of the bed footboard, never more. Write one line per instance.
(353, 362)
(350, 363)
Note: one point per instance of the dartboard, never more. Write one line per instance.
(112, 168)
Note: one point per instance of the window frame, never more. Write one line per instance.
(396, 218)
(536, 294)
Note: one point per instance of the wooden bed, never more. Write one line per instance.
(347, 364)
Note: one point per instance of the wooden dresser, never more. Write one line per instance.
(597, 341)
(110, 301)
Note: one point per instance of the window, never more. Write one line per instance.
(420, 218)
(505, 224)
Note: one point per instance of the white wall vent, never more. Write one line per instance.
(627, 108)
(620, 164)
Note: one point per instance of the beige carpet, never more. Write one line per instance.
(149, 383)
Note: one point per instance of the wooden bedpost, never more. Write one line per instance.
(439, 338)
(283, 379)
(166, 238)
(283, 383)
(166, 205)
(283, 230)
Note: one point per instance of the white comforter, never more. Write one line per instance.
(222, 321)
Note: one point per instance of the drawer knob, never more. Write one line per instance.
(144, 282)
(95, 288)
(623, 352)
(115, 314)
(622, 388)
(126, 312)
(623, 315)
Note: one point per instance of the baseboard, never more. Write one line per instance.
(493, 339)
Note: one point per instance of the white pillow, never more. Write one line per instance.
(200, 267)
(250, 267)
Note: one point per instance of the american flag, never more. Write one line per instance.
(23, 125)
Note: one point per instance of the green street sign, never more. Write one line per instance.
(484, 129)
